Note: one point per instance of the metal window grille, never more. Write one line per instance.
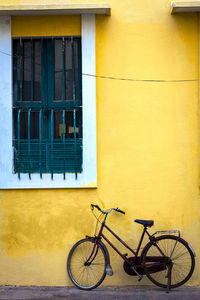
(47, 105)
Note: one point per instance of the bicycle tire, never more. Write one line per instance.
(79, 273)
(183, 260)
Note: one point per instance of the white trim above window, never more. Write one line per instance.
(185, 7)
(88, 178)
(55, 9)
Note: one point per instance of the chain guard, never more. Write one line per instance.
(134, 261)
(151, 269)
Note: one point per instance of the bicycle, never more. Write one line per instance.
(167, 260)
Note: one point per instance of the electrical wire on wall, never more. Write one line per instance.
(124, 79)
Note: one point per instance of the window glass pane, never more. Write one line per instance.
(69, 124)
(68, 70)
(58, 69)
(76, 46)
(34, 125)
(16, 53)
(15, 114)
(58, 124)
(15, 70)
(37, 69)
(24, 125)
(18, 68)
(26, 70)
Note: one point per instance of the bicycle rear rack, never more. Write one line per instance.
(168, 231)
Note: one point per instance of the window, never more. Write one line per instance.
(47, 105)
(10, 178)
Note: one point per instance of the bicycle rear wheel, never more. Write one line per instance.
(182, 261)
(86, 264)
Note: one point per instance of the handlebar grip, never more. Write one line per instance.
(97, 206)
(120, 211)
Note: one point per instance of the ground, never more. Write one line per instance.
(126, 292)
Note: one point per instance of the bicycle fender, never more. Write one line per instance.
(191, 249)
(166, 236)
(106, 252)
(109, 270)
(103, 246)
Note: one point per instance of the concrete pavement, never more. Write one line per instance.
(103, 293)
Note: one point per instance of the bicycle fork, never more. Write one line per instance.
(92, 256)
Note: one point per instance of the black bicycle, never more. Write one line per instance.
(167, 260)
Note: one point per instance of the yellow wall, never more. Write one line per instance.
(46, 25)
(147, 145)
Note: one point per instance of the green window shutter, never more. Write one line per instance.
(47, 106)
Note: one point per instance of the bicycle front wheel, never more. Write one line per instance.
(169, 249)
(86, 264)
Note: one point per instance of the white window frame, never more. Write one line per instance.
(88, 178)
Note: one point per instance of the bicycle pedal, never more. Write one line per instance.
(140, 278)
(109, 270)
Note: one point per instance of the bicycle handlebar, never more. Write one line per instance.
(119, 210)
(106, 212)
(97, 206)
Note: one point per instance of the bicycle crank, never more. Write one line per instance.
(140, 276)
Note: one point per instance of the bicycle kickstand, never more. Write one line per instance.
(169, 276)
(140, 276)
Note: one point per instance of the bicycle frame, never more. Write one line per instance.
(101, 235)
(155, 263)
(121, 241)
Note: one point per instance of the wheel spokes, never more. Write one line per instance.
(89, 274)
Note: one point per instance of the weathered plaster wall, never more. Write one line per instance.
(147, 146)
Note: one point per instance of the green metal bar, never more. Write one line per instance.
(43, 73)
(44, 90)
(74, 100)
(57, 105)
(44, 94)
(63, 125)
(50, 79)
(18, 136)
(51, 143)
(15, 79)
(51, 70)
(79, 71)
(79, 89)
(52, 97)
(21, 70)
(32, 70)
(75, 142)
(63, 73)
(29, 139)
(73, 70)
(52, 125)
(64, 140)
(40, 138)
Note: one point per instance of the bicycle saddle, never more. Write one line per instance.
(148, 223)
